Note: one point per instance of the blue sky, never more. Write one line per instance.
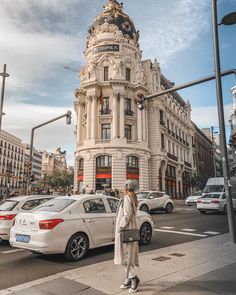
(39, 38)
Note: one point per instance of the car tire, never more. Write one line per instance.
(77, 247)
(202, 211)
(225, 209)
(144, 208)
(169, 208)
(145, 233)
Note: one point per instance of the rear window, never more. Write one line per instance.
(8, 205)
(211, 196)
(55, 205)
(30, 204)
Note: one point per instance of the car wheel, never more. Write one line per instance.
(145, 234)
(202, 211)
(169, 208)
(225, 209)
(77, 247)
(144, 208)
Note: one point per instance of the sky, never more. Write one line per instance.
(38, 39)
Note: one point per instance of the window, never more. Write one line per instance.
(128, 131)
(128, 104)
(28, 205)
(104, 161)
(94, 206)
(127, 74)
(162, 118)
(105, 106)
(113, 204)
(106, 131)
(162, 141)
(106, 73)
(132, 162)
(81, 164)
(55, 205)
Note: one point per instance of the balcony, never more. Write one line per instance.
(162, 123)
(173, 134)
(105, 111)
(172, 157)
(169, 131)
(188, 164)
(128, 113)
(103, 141)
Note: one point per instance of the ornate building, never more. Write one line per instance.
(232, 141)
(116, 141)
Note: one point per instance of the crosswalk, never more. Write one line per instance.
(186, 231)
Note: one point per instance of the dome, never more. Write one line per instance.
(113, 14)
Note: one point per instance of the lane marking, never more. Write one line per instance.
(12, 251)
(188, 229)
(212, 232)
(167, 227)
(180, 233)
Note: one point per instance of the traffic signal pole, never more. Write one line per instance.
(68, 121)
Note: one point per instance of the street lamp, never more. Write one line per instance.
(229, 19)
(4, 75)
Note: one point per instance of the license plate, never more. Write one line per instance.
(22, 238)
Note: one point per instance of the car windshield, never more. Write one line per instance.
(197, 194)
(55, 205)
(142, 195)
(8, 205)
(213, 188)
(211, 196)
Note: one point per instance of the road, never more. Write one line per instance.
(185, 224)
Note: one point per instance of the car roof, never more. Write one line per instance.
(214, 193)
(84, 196)
(31, 197)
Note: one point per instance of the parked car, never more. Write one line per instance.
(214, 202)
(72, 225)
(192, 200)
(153, 200)
(12, 206)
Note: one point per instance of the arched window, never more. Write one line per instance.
(103, 172)
(132, 168)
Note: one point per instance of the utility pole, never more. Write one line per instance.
(213, 150)
(4, 76)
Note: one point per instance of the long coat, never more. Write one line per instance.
(126, 253)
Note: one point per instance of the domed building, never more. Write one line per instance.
(115, 141)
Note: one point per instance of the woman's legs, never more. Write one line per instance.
(130, 272)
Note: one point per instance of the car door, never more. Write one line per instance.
(98, 221)
(113, 205)
(152, 201)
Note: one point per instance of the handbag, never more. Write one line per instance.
(130, 235)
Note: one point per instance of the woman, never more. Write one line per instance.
(126, 254)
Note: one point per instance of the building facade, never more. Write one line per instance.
(115, 141)
(11, 164)
(52, 162)
(232, 140)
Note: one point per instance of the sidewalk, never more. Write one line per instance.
(202, 267)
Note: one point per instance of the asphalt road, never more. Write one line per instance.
(185, 224)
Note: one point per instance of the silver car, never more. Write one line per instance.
(214, 202)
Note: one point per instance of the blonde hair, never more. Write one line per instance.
(131, 186)
(133, 198)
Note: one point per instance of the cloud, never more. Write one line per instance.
(171, 27)
(20, 118)
(208, 116)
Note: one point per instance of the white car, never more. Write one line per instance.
(12, 206)
(192, 200)
(153, 200)
(214, 202)
(72, 225)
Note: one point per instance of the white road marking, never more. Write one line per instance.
(12, 251)
(180, 233)
(167, 227)
(212, 232)
(188, 229)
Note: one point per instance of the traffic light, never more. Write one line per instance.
(68, 118)
(32, 178)
(140, 101)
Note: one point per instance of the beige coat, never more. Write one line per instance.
(126, 253)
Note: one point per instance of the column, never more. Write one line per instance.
(146, 121)
(114, 116)
(122, 116)
(93, 117)
(88, 135)
(144, 124)
(79, 125)
(139, 124)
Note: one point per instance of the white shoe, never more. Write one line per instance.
(126, 284)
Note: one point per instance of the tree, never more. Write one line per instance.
(61, 181)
